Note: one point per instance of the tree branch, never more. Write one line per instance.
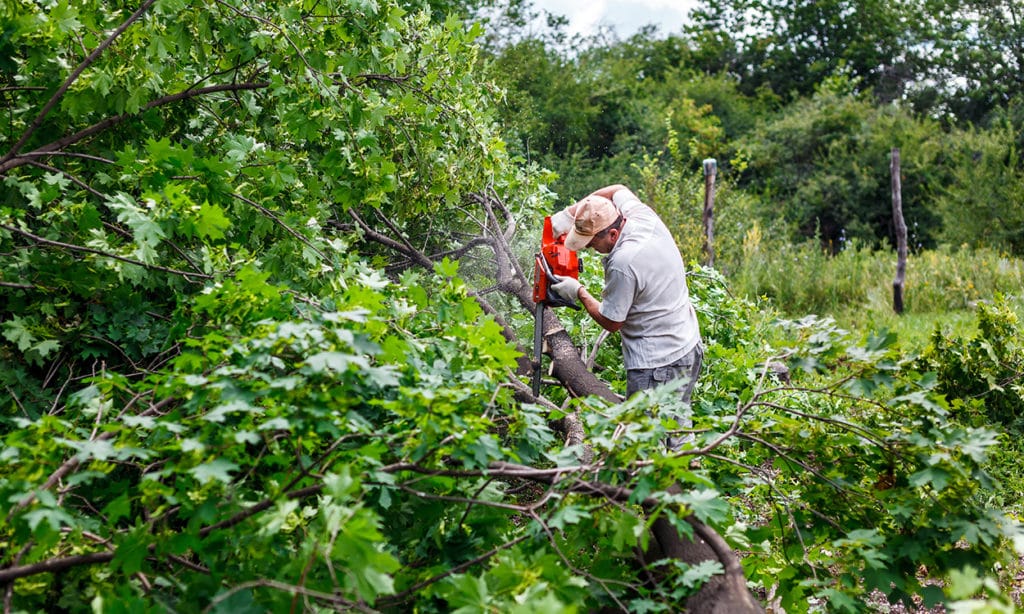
(12, 161)
(52, 565)
(71, 79)
(88, 250)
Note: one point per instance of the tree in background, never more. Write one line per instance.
(823, 164)
(791, 47)
(261, 317)
(975, 61)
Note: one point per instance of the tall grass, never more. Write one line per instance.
(855, 286)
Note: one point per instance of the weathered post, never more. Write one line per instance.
(901, 232)
(710, 170)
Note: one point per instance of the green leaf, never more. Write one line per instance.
(936, 477)
(131, 551)
(964, 583)
(218, 469)
(706, 504)
(118, 508)
(568, 515)
(628, 529)
(212, 222)
(16, 331)
(338, 362)
(54, 518)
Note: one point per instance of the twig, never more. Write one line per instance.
(397, 597)
(85, 186)
(328, 597)
(10, 284)
(289, 229)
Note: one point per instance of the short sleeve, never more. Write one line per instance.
(618, 294)
(625, 199)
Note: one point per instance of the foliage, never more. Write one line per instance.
(979, 42)
(981, 375)
(792, 47)
(986, 174)
(850, 479)
(825, 166)
(230, 390)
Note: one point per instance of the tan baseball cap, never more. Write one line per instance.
(593, 214)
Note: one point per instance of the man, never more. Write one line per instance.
(645, 295)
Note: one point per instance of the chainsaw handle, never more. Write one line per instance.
(553, 279)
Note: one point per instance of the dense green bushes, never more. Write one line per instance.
(224, 397)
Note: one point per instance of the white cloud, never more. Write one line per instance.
(625, 16)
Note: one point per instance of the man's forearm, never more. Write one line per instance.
(593, 307)
(609, 190)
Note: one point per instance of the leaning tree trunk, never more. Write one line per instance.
(725, 593)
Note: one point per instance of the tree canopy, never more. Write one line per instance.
(263, 294)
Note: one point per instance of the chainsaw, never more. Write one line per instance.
(553, 262)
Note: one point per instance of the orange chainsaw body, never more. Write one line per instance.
(554, 259)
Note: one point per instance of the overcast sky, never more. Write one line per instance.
(626, 16)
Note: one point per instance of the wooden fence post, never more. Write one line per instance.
(901, 231)
(710, 170)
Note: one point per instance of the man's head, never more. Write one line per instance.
(597, 225)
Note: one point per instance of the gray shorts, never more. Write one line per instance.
(686, 367)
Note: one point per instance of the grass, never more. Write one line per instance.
(855, 287)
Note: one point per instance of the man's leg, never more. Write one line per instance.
(688, 367)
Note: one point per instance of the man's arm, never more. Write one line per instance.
(570, 289)
(593, 307)
(610, 190)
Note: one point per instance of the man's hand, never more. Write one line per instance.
(561, 222)
(567, 289)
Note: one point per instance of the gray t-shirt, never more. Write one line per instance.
(645, 287)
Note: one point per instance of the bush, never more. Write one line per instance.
(982, 376)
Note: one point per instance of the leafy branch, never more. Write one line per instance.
(188, 275)
(12, 160)
(57, 95)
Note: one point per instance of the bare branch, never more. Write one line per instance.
(11, 284)
(69, 154)
(52, 565)
(403, 248)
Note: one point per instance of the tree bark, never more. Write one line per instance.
(901, 232)
(710, 170)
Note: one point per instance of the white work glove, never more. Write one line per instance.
(566, 289)
(561, 223)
